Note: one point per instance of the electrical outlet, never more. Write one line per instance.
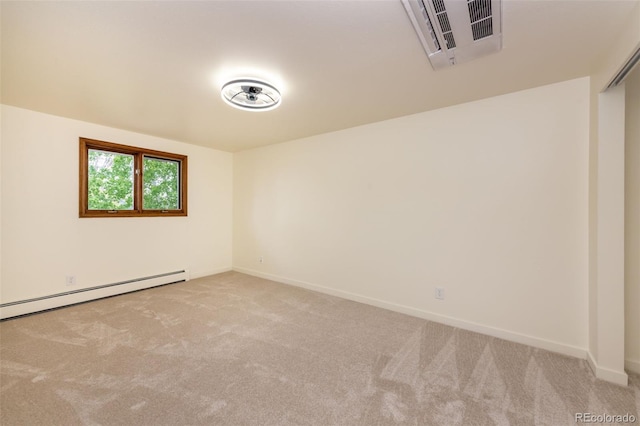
(440, 293)
(70, 280)
(261, 259)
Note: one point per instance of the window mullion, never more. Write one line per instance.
(138, 183)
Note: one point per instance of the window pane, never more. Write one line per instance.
(110, 181)
(160, 184)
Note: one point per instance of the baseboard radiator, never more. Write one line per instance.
(37, 304)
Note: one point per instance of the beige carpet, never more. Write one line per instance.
(237, 350)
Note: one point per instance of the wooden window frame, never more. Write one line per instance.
(138, 176)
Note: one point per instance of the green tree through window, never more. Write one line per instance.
(160, 184)
(120, 180)
(110, 181)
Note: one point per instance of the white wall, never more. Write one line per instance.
(486, 199)
(606, 207)
(632, 223)
(610, 236)
(1, 204)
(43, 240)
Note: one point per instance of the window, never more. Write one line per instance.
(125, 181)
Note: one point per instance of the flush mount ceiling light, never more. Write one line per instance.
(251, 94)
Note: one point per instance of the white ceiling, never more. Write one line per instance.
(156, 67)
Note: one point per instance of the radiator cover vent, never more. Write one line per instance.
(455, 31)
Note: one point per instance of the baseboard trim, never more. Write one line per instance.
(632, 366)
(618, 377)
(535, 342)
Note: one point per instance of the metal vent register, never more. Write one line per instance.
(454, 31)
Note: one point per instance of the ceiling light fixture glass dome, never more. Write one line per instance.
(251, 94)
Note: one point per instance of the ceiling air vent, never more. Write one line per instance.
(456, 31)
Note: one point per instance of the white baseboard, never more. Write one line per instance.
(535, 342)
(632, 366)
(613, 376)
(29, 306)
